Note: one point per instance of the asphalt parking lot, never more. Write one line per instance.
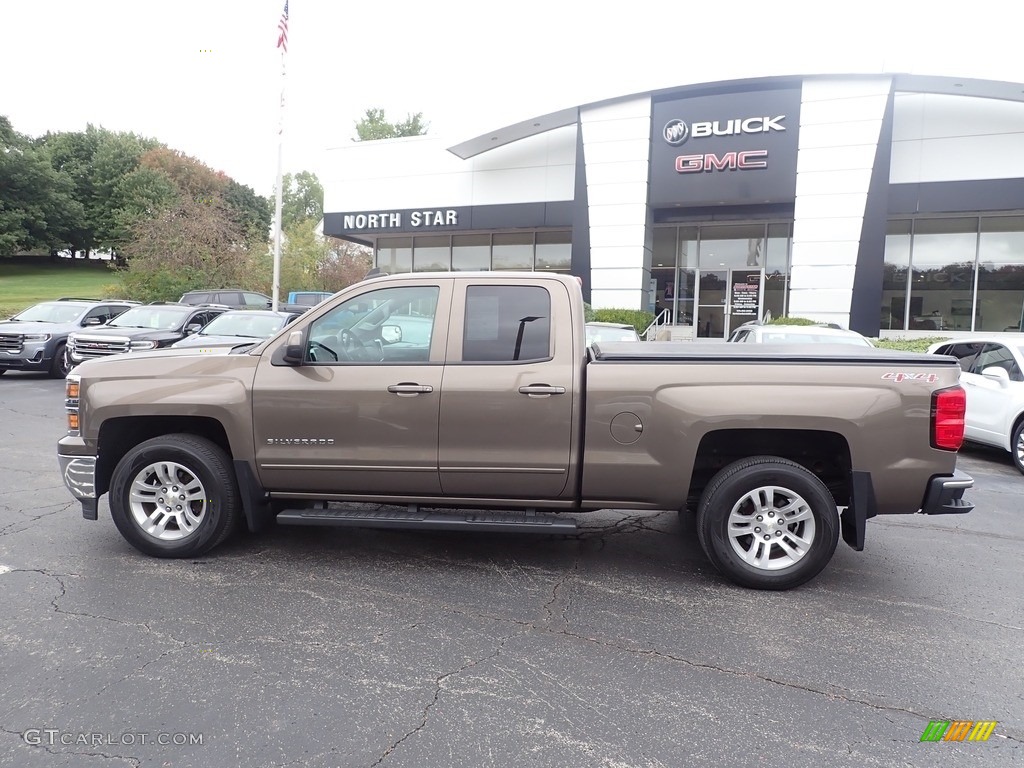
(617, 647)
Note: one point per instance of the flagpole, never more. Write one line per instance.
(280, 195)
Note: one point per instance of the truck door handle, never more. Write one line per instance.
(406, 389)
(541, 389)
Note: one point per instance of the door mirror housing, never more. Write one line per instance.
(293, 348)
(996, 373)
(391, 334)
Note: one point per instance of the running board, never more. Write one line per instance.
(416, 518)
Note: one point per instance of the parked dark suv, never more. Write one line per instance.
(34, 339)
(149, 326)
(234, 298)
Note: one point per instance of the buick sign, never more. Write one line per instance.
(675, 132)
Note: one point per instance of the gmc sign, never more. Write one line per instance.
(727, 161)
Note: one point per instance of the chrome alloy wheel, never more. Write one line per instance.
(1018, 450)
(167, 501)
(771, 528)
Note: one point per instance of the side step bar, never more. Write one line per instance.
(415, 518)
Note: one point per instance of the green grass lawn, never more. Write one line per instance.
(24, 284)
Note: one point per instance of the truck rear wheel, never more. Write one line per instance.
(767, 523)
(175, 496)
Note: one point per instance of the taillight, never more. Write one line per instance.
(948, 409)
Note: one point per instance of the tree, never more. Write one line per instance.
(96, 161)
(374, 126)
(302, 198)
(37, 205)
(252, 212)
(190, 244)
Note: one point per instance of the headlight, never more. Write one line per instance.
(37, 337)
(72, 389)
(144, 345)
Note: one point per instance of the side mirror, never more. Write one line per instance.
(389, 334)
(93, 321)
(996, 373)
(193, 328)
(293, 349)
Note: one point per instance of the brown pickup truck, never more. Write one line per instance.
(467, 401)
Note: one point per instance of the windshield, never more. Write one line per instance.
(244, 324)
(51, 312)
(157, 318)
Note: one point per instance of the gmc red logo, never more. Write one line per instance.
(730, 161)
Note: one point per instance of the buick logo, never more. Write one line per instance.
(675, 132)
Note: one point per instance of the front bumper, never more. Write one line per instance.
(79, 474)
(29, 359)
(945, 494)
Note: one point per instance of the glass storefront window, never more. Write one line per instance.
(394, 254)
(1000, 304)
(942, 274)
(554, 251)
(894, 275)
(776, 269)
(513, 251)
(732, 246)
(471, 253)
(431, 253)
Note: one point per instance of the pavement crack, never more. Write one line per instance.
(438, 688)
(6, 530)
(59, 578)
(832, 695)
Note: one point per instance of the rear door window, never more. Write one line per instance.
(507, 323)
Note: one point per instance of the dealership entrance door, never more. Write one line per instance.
(717, 276)
(726, 299)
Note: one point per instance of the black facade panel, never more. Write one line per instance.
(580, 260)
(985, 195)
(867, 279)
(415, 221)
(726, 148)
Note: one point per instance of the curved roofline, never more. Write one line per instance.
(955, 86)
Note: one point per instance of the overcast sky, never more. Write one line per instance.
(203, 76)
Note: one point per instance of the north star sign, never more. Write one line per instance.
(444, 217)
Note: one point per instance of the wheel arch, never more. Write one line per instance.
(119, 435)
(825, 454)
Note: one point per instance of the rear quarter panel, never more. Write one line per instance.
(885, 423)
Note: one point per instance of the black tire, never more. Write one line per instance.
(1017, 446)
(59, 367)
(199, 473)
(780, 562)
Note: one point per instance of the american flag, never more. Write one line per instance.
(282, 30)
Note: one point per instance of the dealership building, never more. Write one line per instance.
(889, 204)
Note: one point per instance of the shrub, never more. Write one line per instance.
(908, 345)
(635, 317)
(792, 321)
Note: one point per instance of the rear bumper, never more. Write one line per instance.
(945, 494)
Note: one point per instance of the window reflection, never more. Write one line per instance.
(965, 274)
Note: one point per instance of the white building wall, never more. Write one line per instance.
(938, 137)
(617, 148)
(420, 172)
(840, 125)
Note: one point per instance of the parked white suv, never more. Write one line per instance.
(993, 377)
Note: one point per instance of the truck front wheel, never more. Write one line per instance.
(767, 523)
(174, 496)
